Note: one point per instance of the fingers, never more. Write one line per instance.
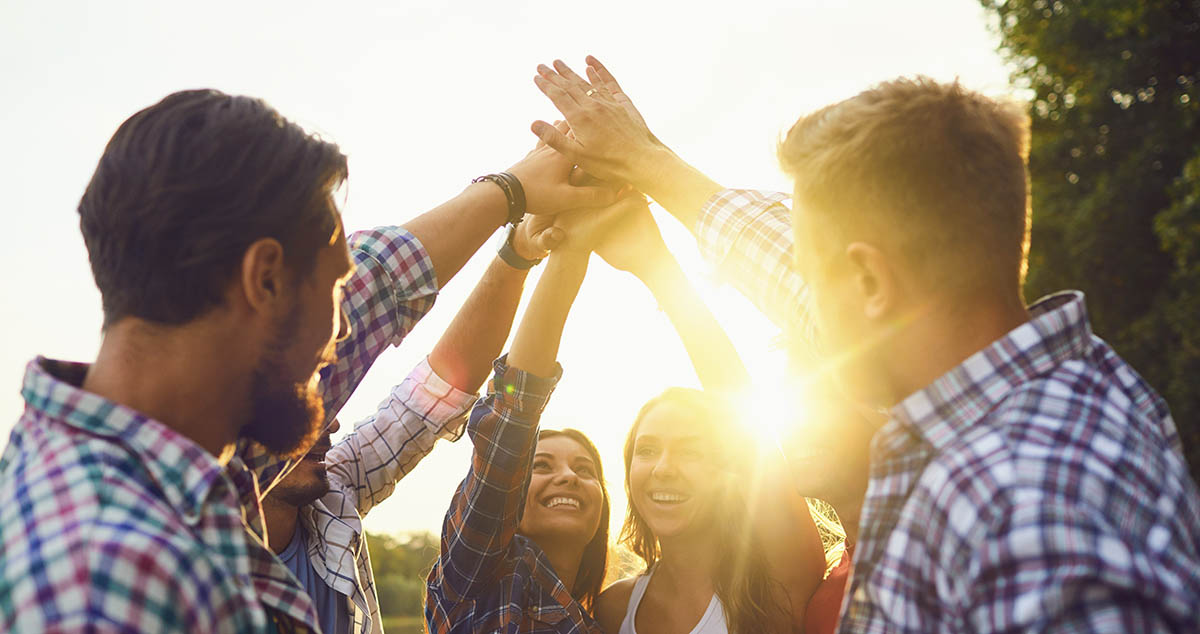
(552, 136)
(559, 125)
(588, 197)
(558, 95)
(602, 73)
(576, 82)
(598, 83)
(553, 78)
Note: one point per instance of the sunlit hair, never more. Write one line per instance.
(590, 579)
(748, 594)
(930, 169)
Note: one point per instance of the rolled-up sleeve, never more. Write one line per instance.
(747, 235)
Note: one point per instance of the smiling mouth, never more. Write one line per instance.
(563, 501)
(668, 498)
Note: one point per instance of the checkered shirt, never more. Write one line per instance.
(363, 470)
(110, 521)
(747, 235)
(392, 288)
(113, 522)
(489, 579)
(1038, 486)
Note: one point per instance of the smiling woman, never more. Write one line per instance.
(568, 500)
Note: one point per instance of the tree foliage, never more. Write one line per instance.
(1115, 170)
(400, 565)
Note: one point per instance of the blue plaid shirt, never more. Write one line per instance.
(489, 579)
(1038, 486)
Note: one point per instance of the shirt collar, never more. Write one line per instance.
(184, 471)
(1059, 330)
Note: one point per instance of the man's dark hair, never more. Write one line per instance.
(185, 186)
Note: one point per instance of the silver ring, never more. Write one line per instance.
(590, 92)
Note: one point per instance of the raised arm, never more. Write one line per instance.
(612, 141)
(485, 512)
(746, 234)
(635, 245)
(454, 230)
(782, 519)
(432, 402)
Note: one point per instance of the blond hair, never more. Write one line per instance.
(930, 169)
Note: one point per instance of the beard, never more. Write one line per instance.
(287, 417)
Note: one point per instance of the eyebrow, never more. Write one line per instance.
(678, 439)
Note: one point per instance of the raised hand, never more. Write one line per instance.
(633, 243)
(611, 139)
(545, 176)
(584, 230)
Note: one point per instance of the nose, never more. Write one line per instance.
(566, 476)
(664, 468)
(333, 426)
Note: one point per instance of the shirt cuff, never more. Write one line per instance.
(517, 390)
(726, 215)
(444, 405)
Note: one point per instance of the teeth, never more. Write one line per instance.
(563, 501)
(667, 497)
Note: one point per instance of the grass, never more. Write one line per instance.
(403, 624)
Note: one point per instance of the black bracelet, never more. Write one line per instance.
(513, 193)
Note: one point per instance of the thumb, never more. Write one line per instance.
(551, 136)
(550, 238)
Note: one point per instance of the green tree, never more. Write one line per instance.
(1115, 170)
(400, 565)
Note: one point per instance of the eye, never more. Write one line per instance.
(586, 470)
(645, 451)
(541, 465)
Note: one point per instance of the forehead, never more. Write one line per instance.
(562, 448)
(670, 421)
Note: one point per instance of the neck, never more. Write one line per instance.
(945, 335)
(180, 376)
(689, 560)
(280, 519)
(566, 559)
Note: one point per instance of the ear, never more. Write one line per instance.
(875, 280)
(262, 274)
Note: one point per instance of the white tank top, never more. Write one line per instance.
(713, 621)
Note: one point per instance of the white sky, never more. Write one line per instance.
(423, 96)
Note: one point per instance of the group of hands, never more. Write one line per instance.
(582, 181)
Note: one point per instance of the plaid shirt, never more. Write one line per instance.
(392, 288)
(112, 521)
(363, 470)
(1039, 485)
(747, 234)
(488, 578)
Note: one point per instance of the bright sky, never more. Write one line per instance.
(423, 95)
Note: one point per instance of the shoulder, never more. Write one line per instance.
(132, 569)
(613, 602)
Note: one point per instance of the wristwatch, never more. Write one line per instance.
(510, 255)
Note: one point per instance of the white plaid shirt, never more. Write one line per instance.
(363, 470)
(1037, 486)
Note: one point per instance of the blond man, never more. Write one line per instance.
(1026, 478)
